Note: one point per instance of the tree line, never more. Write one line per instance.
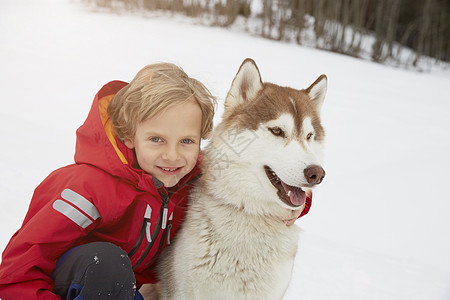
(397, 31)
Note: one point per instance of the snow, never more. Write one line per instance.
(379, 225)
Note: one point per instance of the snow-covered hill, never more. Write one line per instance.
(379, 226)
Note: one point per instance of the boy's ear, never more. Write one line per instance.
(207, 136)
(129, 144)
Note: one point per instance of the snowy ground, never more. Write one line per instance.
(379, 227)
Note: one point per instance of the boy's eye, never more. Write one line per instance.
(156, 139)
(187, 141)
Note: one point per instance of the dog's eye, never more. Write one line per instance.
(277, 131)
(309, 136)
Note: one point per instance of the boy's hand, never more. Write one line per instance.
(150, 291)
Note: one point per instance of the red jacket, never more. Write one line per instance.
(102, 197)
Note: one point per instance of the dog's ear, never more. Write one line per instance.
(317, 91)
(246, 84)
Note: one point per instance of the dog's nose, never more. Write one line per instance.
(314, 174)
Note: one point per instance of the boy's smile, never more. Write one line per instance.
(170, 171)
(167, 145)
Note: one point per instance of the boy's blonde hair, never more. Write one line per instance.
(155, 88)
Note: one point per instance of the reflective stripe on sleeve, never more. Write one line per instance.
(80, 210)
(82, 203)
(72, 213)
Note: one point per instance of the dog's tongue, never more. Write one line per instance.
(297, 196)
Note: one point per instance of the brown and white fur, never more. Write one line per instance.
(237, 241)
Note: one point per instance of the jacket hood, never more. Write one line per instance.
(98, 146)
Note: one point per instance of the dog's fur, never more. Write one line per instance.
(235, 242)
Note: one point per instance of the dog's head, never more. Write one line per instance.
(267, 150)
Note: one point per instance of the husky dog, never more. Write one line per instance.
(237, 241)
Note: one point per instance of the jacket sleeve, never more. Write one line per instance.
(56, 221)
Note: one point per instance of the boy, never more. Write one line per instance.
(95, 228)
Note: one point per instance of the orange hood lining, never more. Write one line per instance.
(107, 125)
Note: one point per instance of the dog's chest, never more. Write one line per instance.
(245, 253)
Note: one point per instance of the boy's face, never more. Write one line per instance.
(167, 145)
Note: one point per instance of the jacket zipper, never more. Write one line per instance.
(165, 237)
(164, 206)
(162, 223)
(145, 229)
(147, 219)
(169, 227)
(138, 243)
